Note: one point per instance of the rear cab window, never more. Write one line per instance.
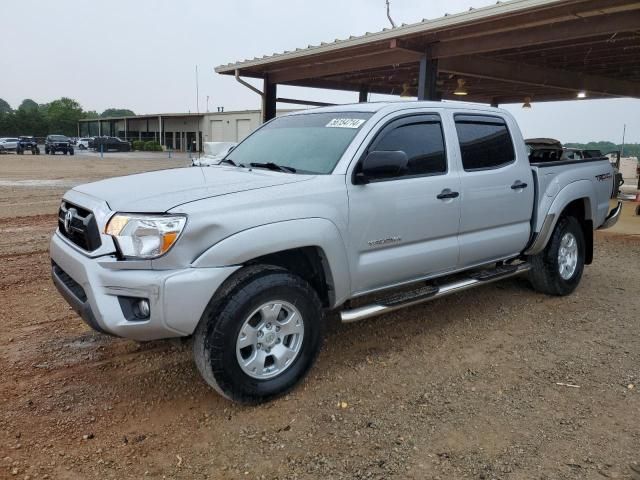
(485, 142)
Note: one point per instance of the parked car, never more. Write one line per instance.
(57, 143)
(110, 143)
(8, 144)
(83, 143)
(27, 144)
(312, 211)
(214, 152)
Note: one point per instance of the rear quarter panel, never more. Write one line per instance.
(558, 184)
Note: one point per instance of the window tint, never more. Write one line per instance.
(422, 142)
(484, 142)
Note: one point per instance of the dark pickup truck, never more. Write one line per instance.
(57, 143)
(109, 143)
(27, 143)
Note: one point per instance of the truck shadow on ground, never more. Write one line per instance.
(166, 366)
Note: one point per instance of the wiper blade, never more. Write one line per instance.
(232, 163)
(274, 166)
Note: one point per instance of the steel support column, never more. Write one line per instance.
(427, 77)
(364, 94)
(269, 100)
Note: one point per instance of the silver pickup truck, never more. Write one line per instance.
(360, 209)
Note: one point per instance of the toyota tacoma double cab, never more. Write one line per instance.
(57, 143)
(357, 209)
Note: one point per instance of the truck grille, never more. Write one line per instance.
(79, 226)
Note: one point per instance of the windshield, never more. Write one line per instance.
(308, 143)
(61, 138)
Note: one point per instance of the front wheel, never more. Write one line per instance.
(260, 334)
(557, 270)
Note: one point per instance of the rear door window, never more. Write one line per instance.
(485, 142)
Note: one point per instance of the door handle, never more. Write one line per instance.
(518, 185)
(446, 193)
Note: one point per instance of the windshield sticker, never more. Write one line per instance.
(345, 123)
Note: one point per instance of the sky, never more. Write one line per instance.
(142, 55)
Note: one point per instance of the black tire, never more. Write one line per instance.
(81, 147)
(214, 346)
(545, 267)
(52, 151)
(71, 151)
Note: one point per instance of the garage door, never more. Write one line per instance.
(217, 134)
(243, 128)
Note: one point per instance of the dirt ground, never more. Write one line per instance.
(494, 383)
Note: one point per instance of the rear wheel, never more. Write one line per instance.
(557, 270)
(260, 334)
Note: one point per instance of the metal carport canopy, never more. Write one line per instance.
(545, 50)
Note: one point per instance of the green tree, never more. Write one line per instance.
(28, 104)
(91, 114)
(4, 107)
(63, 116)
(117, 112)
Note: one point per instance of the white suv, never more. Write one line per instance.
(8, 144)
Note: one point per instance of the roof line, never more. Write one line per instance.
(513, 6)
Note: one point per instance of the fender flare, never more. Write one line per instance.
(579, 190)
(255, 242)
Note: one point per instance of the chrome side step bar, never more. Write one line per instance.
(427, 294)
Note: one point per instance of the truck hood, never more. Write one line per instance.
(165, 189)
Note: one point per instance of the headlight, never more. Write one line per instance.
(145, 236)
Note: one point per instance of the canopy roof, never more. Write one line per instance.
(542, 49)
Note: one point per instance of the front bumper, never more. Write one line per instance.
(95, 287)
(612, 218)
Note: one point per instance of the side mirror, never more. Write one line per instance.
(381, 164)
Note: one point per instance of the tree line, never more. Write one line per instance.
(628, 150)
(57, 117)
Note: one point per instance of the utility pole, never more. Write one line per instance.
(207, 103)
(624, 133)
(197, 93)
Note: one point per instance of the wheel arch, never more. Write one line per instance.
(566, 205)
(312, 248)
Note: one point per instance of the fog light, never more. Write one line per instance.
(142, 309)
